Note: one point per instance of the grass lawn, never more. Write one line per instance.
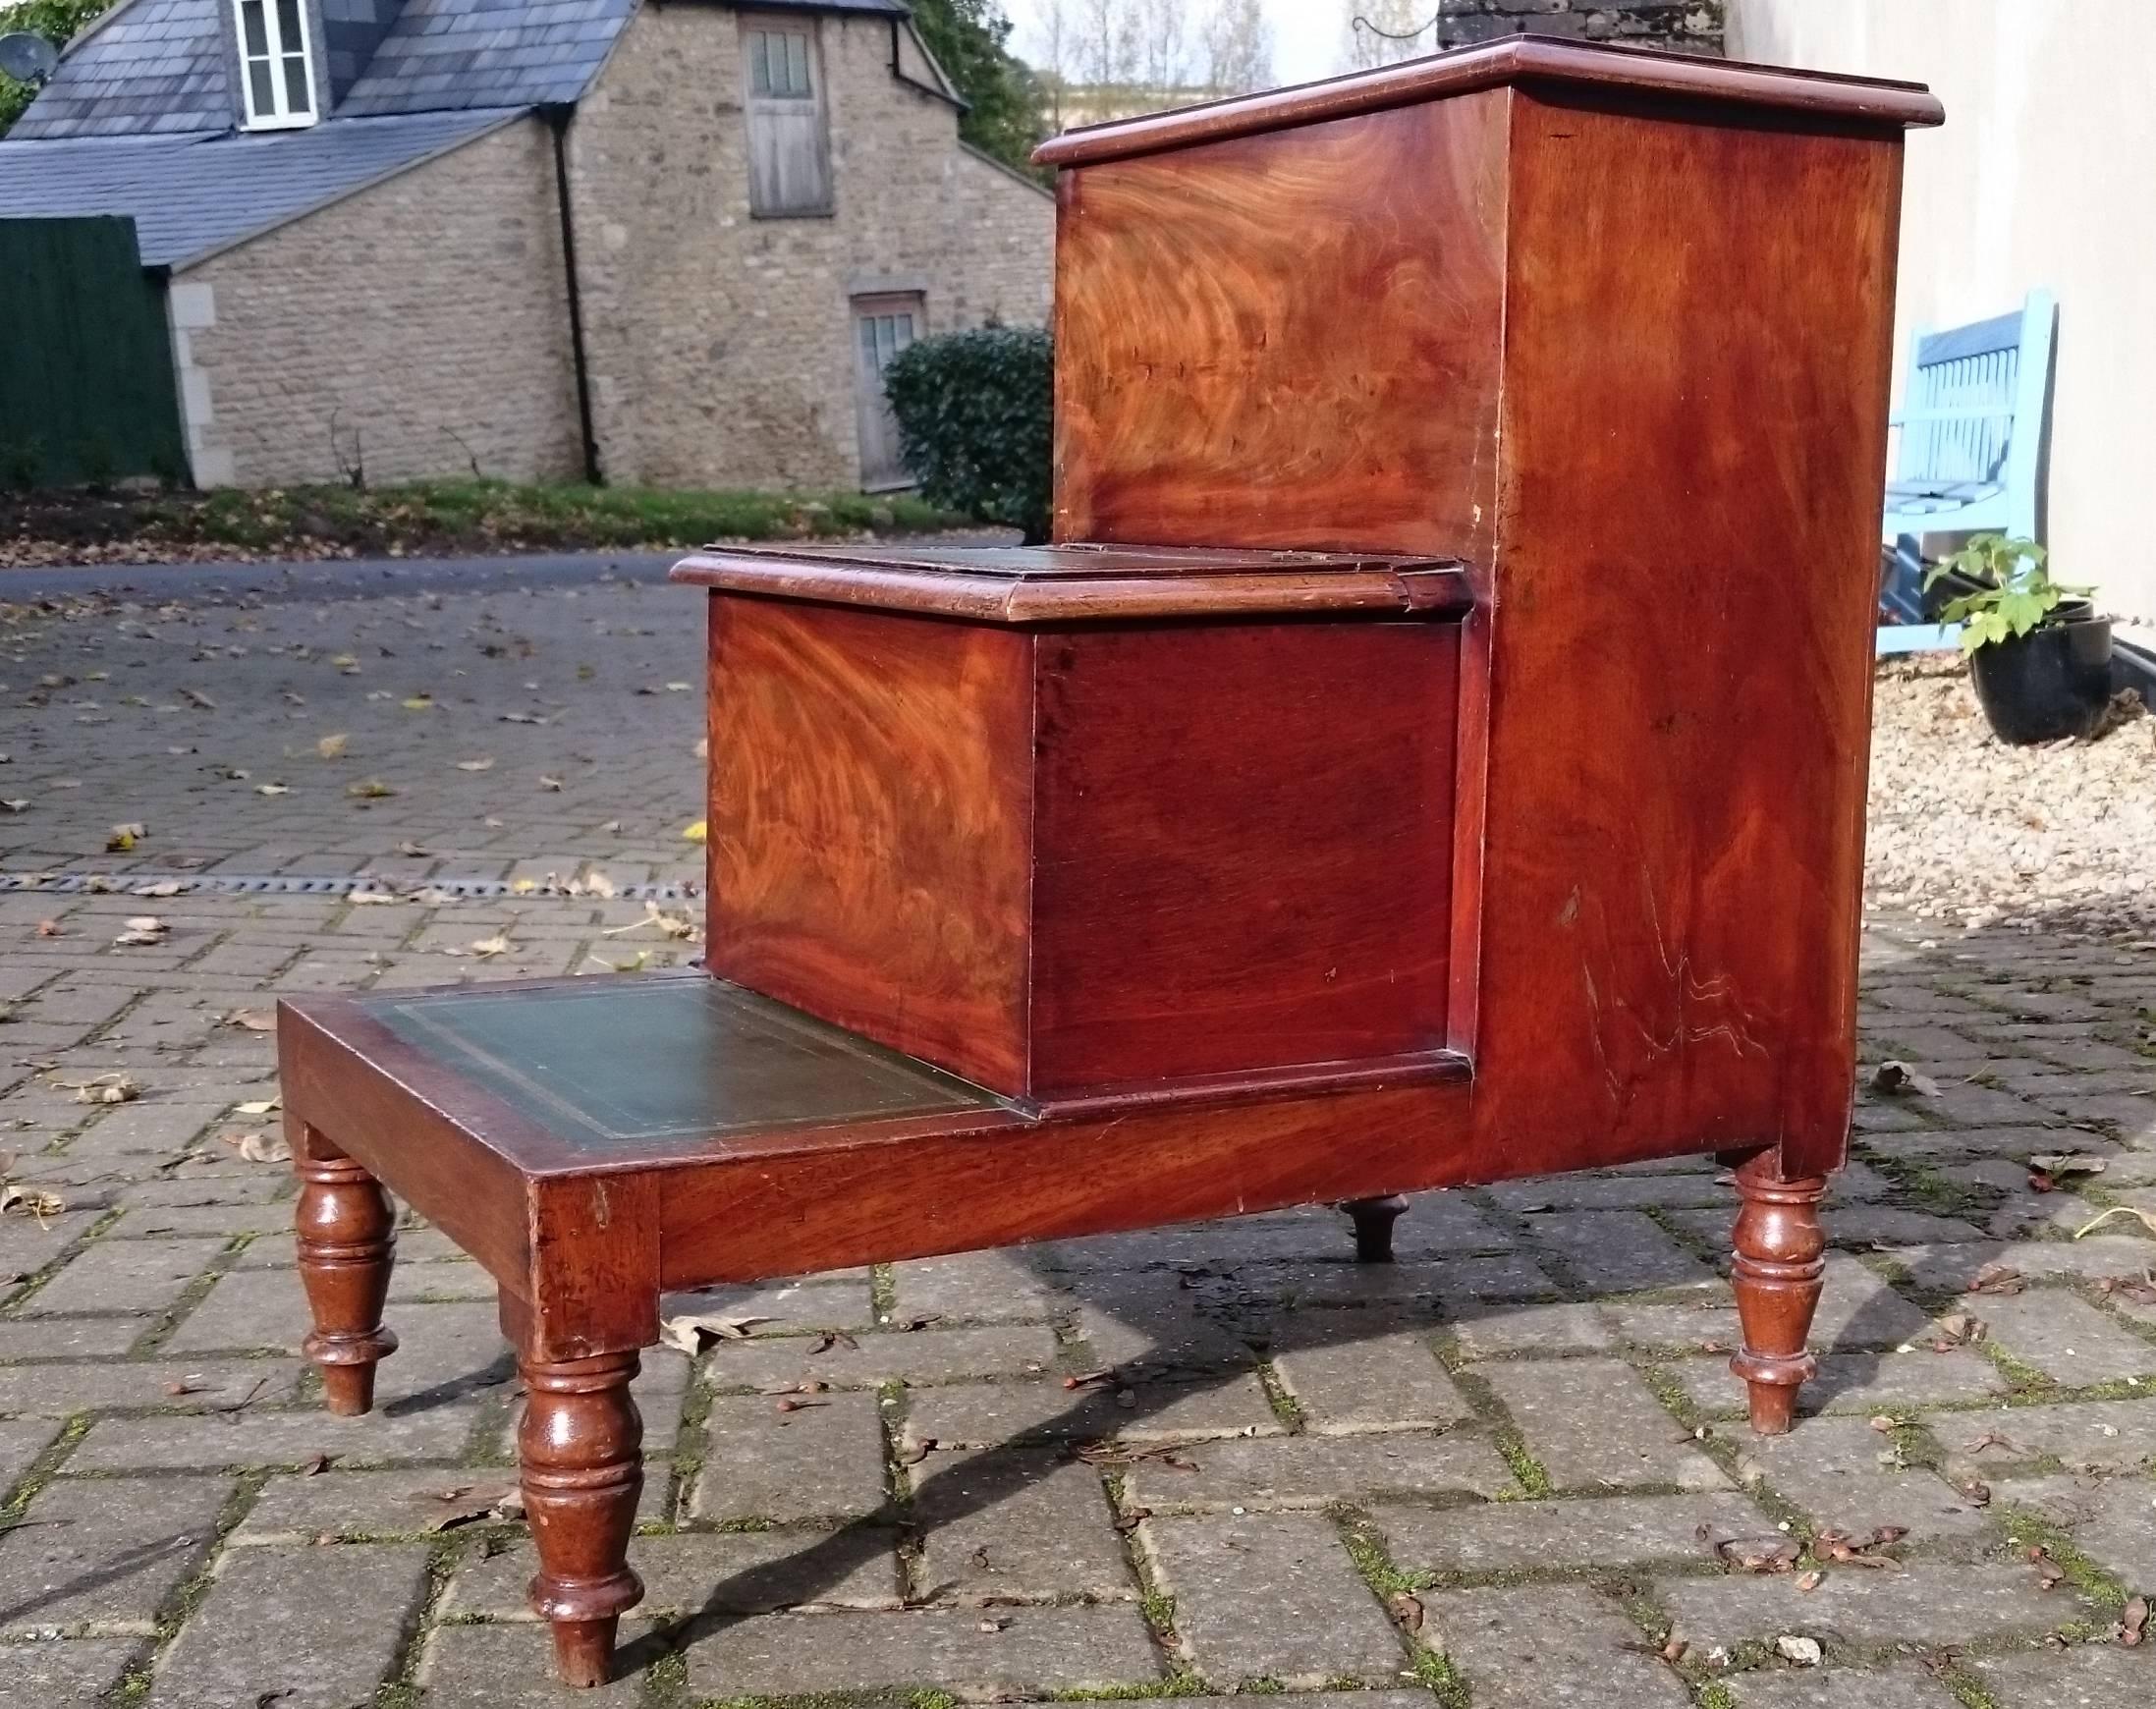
(426, 519)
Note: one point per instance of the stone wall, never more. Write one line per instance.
(721, 346)
(1692, 26)
(417, 328)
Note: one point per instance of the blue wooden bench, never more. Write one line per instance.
(1971, 432)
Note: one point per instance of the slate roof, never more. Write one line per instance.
(192, 195)
(448, 54)
(149, 66)
(156, 67)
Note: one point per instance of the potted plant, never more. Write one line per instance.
(2038, 653)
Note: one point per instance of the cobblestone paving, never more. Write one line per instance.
(1495, 1473)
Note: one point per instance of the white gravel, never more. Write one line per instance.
(1973, 834)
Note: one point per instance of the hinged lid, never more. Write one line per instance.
(1083, 584)
(1864, 103)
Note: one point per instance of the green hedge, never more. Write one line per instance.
(975, 413)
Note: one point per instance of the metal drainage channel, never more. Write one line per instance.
(222, 884)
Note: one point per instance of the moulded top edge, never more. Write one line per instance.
(1076, 583)
(1873, 102)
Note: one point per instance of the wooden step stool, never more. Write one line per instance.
(1443, 762)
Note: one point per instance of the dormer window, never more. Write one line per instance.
(276, 71)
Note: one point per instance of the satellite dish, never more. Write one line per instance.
(27, 57)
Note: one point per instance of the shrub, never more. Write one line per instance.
(975, 413)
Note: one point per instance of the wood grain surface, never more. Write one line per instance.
(1287, 340)
(868, 833)
(1242, 849)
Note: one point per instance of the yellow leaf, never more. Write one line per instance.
(372, 789)
(418, 702)
(695, 833)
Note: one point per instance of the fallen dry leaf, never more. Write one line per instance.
(497, 945)
(143, 929)
(256, 1146)
(253, 1020)
(1898, 1079)
(272, 789)
(2058, 1163)
(695, 833)
(123, 837)
(49, 928)
(113, 1088)
(468, 1504)
(2133, 1621)
(369, 790)
(1406, 1610)
(163, 887)
(1998, 1279)
(484, 762)
(195, 697)
(332, 746)
(260, 1107)
(38, 1202)
(1771, 1553)
(418, 702)
(1860, 1552)
(694, 1331)
(549, 784)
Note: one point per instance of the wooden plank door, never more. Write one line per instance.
(882, 327)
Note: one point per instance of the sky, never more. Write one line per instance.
(1309, 38)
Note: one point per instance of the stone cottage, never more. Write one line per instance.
(658, 240)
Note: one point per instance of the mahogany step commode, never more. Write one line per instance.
(1434, 754)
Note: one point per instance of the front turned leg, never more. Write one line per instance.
(1779, 1265)
(347, 1240)
(580, 1445)
(1373, 1226)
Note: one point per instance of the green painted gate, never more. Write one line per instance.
(86, 385)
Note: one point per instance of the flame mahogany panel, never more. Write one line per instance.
(1697, 355)
(870, 830)
(1241, 847)
(1287, 340)
(1666, 694)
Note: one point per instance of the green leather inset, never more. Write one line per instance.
(602, 1060)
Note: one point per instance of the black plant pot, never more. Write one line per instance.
(2051, 683)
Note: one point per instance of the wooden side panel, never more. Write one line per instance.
(1287, 340)
(1242, 851)
(869, 824)
(1695, 382)
(742, 1219)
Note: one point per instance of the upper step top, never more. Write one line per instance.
(1873, 103)
(1082, 583)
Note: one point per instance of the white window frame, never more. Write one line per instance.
(280, 117)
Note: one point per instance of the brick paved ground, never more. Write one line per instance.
(1493, 1474)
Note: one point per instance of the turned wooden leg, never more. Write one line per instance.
(580, 1443)
(347, 1240)
(1373, 1226)
(1780, 1261)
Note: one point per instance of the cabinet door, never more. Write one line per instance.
(882, 327)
